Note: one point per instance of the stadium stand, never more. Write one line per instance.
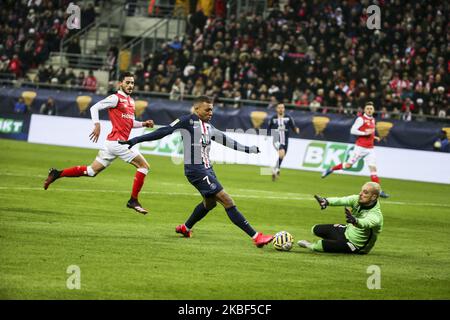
(315, 56)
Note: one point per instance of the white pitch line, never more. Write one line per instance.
(269, 192)
(22, 175)
(298, 198)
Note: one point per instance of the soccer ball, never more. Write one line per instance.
(283, 241)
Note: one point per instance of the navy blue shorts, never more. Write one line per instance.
(279, 146)
(283, 147)
(205, 181)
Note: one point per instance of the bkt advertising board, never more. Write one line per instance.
(312, 155)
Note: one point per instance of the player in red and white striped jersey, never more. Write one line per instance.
(364, 128)
(121, 109)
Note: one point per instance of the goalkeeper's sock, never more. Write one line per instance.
(77, 171)
(198, 214)
(138, 182)
(239, 220)
(317, 246)
(337, 167)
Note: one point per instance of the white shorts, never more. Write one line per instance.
(360, 153)
(112, 150)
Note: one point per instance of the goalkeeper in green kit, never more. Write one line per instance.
(364, 223)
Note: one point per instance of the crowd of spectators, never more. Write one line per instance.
(66, 78)
(313, 54)
(31, 29)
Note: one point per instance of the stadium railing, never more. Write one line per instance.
(156, 8)
(39, 85)
(116, 14)
(237, 7)
(80, 61)
(147, 41)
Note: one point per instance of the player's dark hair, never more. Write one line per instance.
(202, 99)
(369, 103)
(123, 75)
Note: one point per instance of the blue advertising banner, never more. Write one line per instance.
(14, 126)
(315, 126)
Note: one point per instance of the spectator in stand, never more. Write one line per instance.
(88, 15)
(199, 88)
(62, 76)
(90, 82)
(177, 91)
(71, 78)
(49, 107)
(407, 114)
(419, 104)
(79, 81)
(130, 7)
(273, 102)
(237, 99)
(111, 60)
(441, 143)
(384, 114)
(41, 52)
(315, 105)
(15, 66)
(408, 105)
(74, 50)
(43, 75)
(442, 113)
(20, 106)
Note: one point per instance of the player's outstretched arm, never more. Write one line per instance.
(155, 135)
(146, 124)
(219, 137)
(323, 202)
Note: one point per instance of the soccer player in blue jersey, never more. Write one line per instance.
(279, 125)
(197, 135)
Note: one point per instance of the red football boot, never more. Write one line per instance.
(183, 230)
(262, 239)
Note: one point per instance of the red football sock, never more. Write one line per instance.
(77, 171)
(375, 178)
(337, 167)
(137, 184)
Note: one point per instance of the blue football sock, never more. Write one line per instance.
(239, 220)
(198, 214)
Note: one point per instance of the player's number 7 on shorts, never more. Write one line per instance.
(207, 179)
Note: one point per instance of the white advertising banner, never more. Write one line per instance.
(70, 132)
(315, 155)
(302, 154)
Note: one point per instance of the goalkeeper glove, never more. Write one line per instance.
(349, 217)
(323, 202)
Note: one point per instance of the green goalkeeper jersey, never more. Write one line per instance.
(370, 222)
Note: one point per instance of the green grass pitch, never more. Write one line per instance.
(124, 255)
